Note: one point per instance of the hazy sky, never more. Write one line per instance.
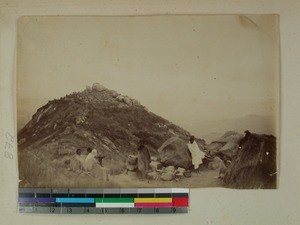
(184, 68)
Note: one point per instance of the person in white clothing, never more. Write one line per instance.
(90, 160)
(197, 154)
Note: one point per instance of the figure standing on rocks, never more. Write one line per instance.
(197, 154)
(144, 160)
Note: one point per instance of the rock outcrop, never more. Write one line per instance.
(98, 87)
(226, 146)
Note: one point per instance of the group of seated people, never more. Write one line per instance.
(83, 162)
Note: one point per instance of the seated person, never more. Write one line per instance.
(90, 160)
(77, 161)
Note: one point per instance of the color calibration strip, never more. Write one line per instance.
(103, 201)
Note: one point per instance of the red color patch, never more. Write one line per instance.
(180, 202)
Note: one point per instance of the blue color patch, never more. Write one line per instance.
(75, 200)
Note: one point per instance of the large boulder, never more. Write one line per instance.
(174, 152)
(226, 146)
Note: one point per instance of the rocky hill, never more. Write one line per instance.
(97, 118)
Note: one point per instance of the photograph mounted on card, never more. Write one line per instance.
(148, 101)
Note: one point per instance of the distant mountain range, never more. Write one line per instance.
(211, 130)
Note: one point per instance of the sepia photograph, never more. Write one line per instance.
(148, 101)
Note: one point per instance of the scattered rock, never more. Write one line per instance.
(187, 173)
(179, 175)
(167, 176)
(154, 165)
(170, 169)
(181, 170)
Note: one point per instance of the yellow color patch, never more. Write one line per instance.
(152, 200)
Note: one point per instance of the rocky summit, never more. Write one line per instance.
(98, 118)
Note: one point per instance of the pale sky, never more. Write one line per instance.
(184, 68)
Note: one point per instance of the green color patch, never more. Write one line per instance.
(115, 200)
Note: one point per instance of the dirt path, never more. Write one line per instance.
(206, 178)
